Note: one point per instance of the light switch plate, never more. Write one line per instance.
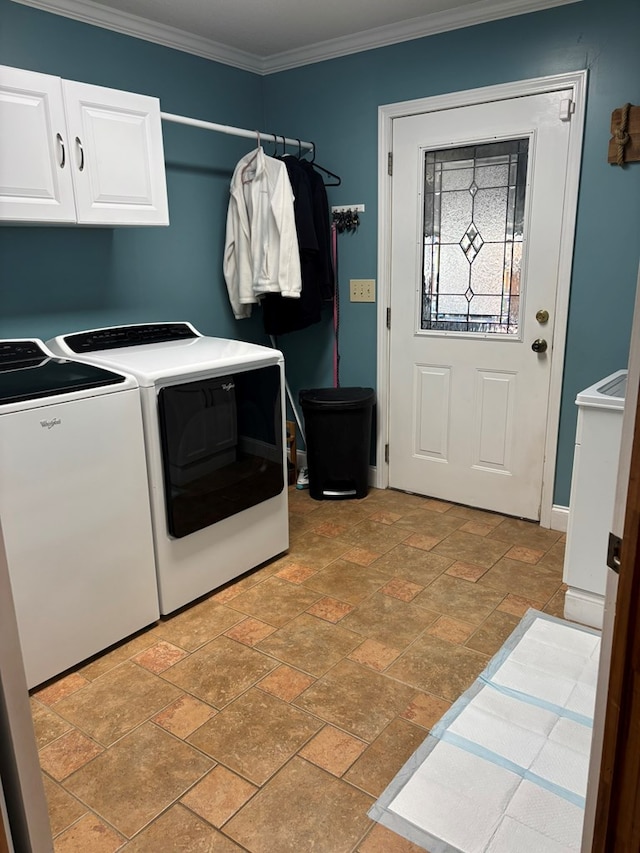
(362, 290)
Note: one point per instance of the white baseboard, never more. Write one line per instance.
(584, 607)
(559, 514)
(559, 517)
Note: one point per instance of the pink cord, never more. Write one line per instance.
(336, 356)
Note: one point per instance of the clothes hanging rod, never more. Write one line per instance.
(235, 131)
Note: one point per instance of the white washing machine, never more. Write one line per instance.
(74, 507)
(213, 412)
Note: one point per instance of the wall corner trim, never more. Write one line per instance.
(479, 12)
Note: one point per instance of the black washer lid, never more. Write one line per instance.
(28, 372)
(337, 398)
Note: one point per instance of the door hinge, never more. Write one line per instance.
(386, 453)
(390, 163)
(388, 318)
(567, 108)
(613, 552)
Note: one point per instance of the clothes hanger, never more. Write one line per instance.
(338, 179)
(284, 154)
(276, 143)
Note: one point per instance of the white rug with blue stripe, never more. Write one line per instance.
(505, 770)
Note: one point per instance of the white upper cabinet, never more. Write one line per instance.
(117, 157)
(35, 174)
(72, 152)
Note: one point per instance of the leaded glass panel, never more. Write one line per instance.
(474, 203)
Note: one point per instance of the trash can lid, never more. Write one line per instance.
(337, 398)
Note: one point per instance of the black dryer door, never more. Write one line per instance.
(222, 446)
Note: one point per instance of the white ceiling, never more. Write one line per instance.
(269, 35)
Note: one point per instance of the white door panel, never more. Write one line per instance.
(468, 406)
(493, 420)
(117, 155)
(431, 424)
(35, 176)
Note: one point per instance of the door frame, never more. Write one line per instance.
(614, 771)
(387, 113)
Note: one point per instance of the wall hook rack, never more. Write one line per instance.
(346, 217)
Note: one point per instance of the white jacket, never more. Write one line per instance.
(261, 252)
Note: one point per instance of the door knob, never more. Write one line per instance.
(542, 316)
(539, 345)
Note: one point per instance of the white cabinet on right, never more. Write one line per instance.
(72, 152)
(593, 486)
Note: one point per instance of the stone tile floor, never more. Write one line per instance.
(269, 716)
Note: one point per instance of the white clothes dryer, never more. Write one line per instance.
(74, 507)
(213, 413)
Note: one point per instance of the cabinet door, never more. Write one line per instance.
(117, 156)
(35, 175)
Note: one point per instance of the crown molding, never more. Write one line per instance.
(479, 12)
(98, 15)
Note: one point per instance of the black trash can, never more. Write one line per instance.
(338, 432)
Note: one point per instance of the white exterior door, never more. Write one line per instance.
(477, 209)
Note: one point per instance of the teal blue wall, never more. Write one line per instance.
(335, 104)
(55, 279)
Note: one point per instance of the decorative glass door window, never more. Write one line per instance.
(474, 200)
